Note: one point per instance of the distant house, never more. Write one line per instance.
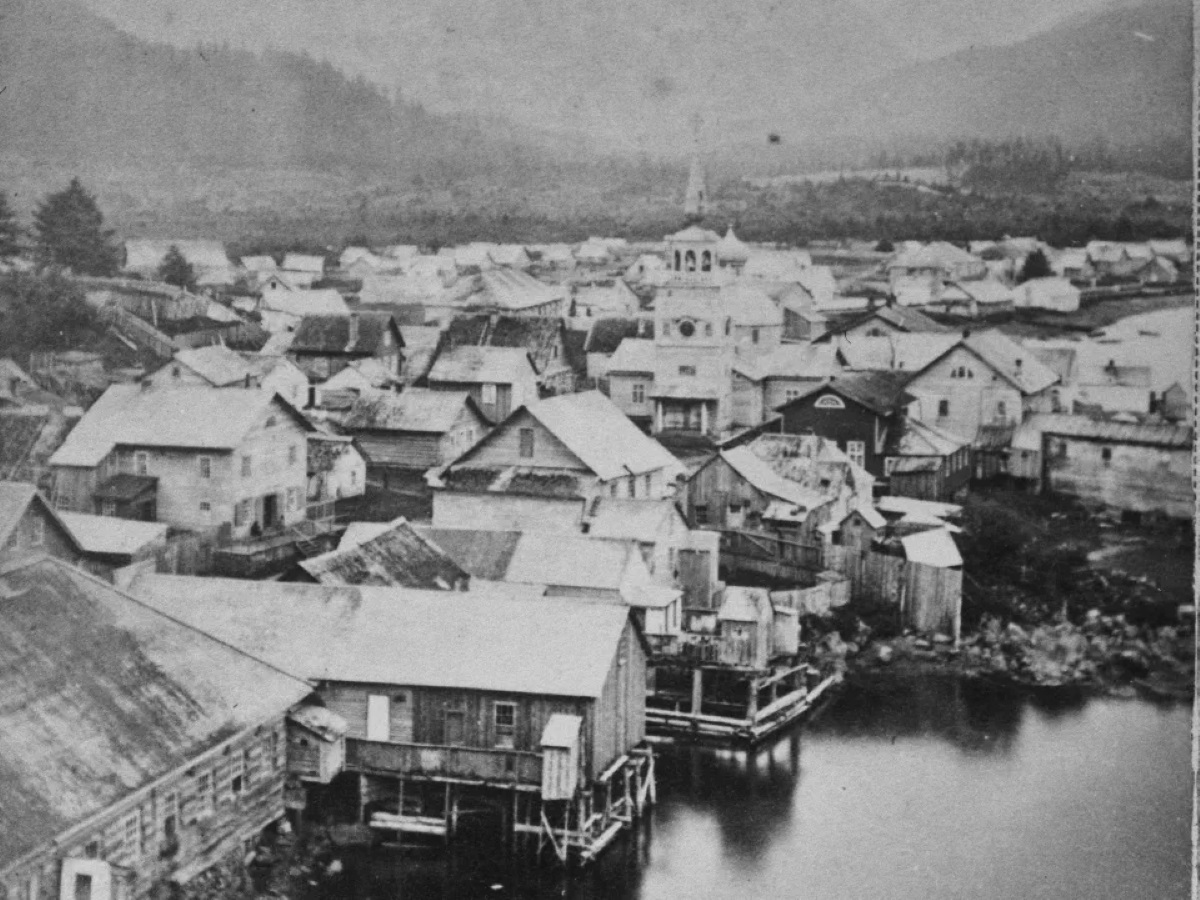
(199, 458)
(259, 264)
(604, 297)
(282, 309)
(1056, 294)
(939, 260)
(928, 463)
(630, 372)
(218, 366)
(860, 412)
(337, 467)
(30, 525)
(130, 803)
(776, 265)
(1135, 468)
(324, 345)
(762, 385)
(415, 429)
(504, 691)
(757, 320)
(1072, 263)
(543, 338)
(1115, 388)
(985, 378)
(303, 269)
(420, 350)
(546, 462)
(208, 259)
(899, 351)
(397, 557)
(499, 379)
(657, 526)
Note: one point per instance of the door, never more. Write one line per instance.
(270, 510)
(454, 728)
(379, 724)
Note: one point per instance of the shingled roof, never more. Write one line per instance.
(540, 336)
(146, 694)
(414, 409)
(332, 334)
(880, 392)
(399, 557)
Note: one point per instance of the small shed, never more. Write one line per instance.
(745, 627)
(560, 756)
(316, 743)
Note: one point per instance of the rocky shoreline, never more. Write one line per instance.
(1104, 654)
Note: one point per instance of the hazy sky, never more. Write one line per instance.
(629, 72)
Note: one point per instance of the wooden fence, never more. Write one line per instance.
(771, 556)
(140, 332)
(929, 598)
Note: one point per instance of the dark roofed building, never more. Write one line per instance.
(399, 557)
(160, 755)
(860, 411)
(543, 338)
(884, 321)
(28, 524)
(325, 344)
(417, 428)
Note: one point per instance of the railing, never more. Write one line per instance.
(435, 760)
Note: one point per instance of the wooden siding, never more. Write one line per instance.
(1134, 478)
(503, 448)
(928, 598)
(210, 820)
(400, 449)
(619, 722)
(503, 512)
(620, 392)
(715, 486)
(853, 423)
(972, 401)
(54, 541)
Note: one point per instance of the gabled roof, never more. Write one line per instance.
(761, 475)
(107, 534)
(482, 554)
(515, 290)
(549, 558)
(505, 639)
(539, 335)
(595, 430)
(216, 364)
(482, 365)
(605, 335)
(631, 520)
(750, 306)
(922, 439)
(902, 318)
(15, 498)
(934, 547)
(300, 302)
(744, 604)
(1011, 361)
(413, 409)
(1175, 437)
(908, 351)
(1059, 360)
(194, 417)
(259, 263)
(880, 392)
(332, 334)
(146, 695)
(302, 262)
(397, 557)
(632, 355)
(800, 361)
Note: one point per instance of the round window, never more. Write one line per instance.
(687, 328)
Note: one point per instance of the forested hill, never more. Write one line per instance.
(78, 89)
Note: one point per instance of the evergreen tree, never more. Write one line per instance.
(10, 231)
(70, 232)
(1036, 266)
(176, 270)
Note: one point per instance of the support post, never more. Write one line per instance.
(697, 690)
(752, 700)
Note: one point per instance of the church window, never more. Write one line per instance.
(678, 262)
(708, 329)
(687, 328)
(706, 261)
(689, 261)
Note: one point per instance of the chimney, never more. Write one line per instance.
(353, 341)
(966, 333)
(146, 384)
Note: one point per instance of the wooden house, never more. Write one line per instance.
(630, 373)
(416, 429)
(1131, 467)
(785, 486)
(218, 366)
(109, 543)
(860, 412)
(541, 467)
(231, 462)
(605, 335)
(928, 463)
(303, 268)
(746, 629)
(128, 804)
(499, 379)
(30, 525)
(512, 292)
(886, 320)
(985, 378)
(450, 696)
(282, 307)
(324, 345)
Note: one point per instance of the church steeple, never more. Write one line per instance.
(695, 198)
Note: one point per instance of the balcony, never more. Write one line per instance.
(495, 766)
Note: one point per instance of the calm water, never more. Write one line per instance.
(928, 789)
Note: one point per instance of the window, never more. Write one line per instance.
(829, 401)
(857, 451)
(754, 335)
(14, 539)
(1001, 410)
(293, 454)
(170, 813)
(247, 768)
(176, 372)
(108, 508)
(889, 464)
(505, 718)
(701, 513)
(206, 467)
(639, 393)
(708, 329)
(293, 497)
(141, 463)
(687, 370)
(687, 328)
(204, 793)
(943, 408)
(39, 532)
(666, 329)
(612, 489)
(246, 466)
(489, 395)
(241, 512)
(647, 485)
(205, 506)
(237, 772)
(132, 837)
(271, 420)
(379, 715)
(353, 478)
(1106, 454)
(526, 438)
